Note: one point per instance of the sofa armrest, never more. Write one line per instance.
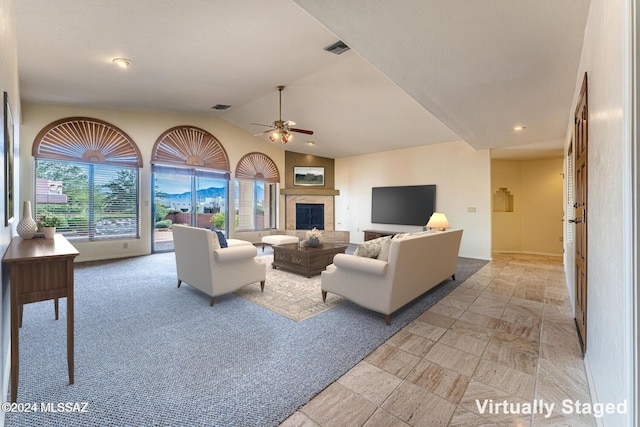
(235, 253)
(361, 264)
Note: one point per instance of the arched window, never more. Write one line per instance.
(256, 193)
(86, 172)
(190, 183)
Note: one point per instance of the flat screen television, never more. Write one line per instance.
(406, 205)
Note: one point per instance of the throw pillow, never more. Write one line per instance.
(384, 250)
(371, 248)
(221, 239)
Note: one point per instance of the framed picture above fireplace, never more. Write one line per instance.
(308, 175)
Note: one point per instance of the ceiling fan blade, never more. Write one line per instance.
(263, 132)
(260, 124)
(289, 123)
(308, 132)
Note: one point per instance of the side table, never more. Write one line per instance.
(41, 269)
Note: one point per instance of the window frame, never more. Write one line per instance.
(269, 187)
(91, 229)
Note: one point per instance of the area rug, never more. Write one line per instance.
(150, 354)
(292, 295)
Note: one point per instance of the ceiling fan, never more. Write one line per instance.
(281, 130)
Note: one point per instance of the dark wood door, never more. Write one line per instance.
(581, 137)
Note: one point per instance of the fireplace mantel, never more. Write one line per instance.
(308, 192)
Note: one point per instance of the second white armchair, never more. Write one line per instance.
(201, 263)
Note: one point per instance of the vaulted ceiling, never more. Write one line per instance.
(425, 72)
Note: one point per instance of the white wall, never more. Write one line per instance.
(144, 128)
(8, 83)
(606, 59)
(460, 173)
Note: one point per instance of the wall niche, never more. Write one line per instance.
(503, 200)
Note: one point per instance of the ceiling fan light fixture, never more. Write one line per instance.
(281, 130)
(282, 136)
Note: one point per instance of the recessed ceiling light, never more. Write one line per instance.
(519, 128)
(122, 62)
(311, 143)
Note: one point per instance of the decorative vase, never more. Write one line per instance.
(27, 227)
(314, 242)
(49, 232)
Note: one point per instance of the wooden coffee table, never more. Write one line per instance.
(305, 260)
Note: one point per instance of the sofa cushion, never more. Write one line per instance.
(371, 248)
(237, 242)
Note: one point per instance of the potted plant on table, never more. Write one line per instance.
(49, 222)
(313, 237)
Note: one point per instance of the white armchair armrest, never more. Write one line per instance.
(235, 253)
(362, 264)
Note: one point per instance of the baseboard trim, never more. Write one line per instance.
(592, 390)
(529, 253)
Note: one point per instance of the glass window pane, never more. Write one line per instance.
(115, 201)
(260, 206)
(211, 203)
(172, 205)
(187, 196)
(63, 189)
(96, 201)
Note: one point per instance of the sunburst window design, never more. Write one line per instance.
(257, 166)
(88, 140)
(192, 147)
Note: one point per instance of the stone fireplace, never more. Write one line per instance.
(291, 202)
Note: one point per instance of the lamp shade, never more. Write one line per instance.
(438, 221)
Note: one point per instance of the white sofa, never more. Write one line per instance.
(416, 263)
(203, 264)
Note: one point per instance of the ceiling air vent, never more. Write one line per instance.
(220, 107)
(337, 48)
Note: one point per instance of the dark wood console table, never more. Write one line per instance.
(374, 234)
(41, 269)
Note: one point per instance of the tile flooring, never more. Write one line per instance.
(507, 333)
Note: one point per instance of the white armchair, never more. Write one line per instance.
(201, 263)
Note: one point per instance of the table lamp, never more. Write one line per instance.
(438, 221)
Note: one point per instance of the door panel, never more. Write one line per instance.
(580, 213)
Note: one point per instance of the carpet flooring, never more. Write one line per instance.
(149, 354)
